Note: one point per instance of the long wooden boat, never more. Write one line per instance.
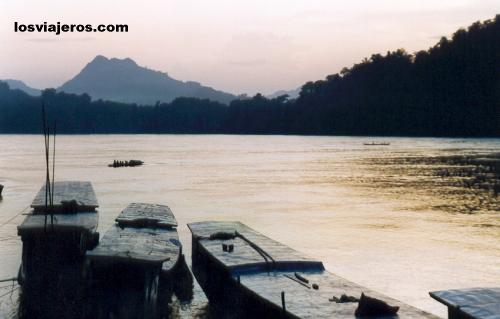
(55, 239)
(62, 233)
(248, 275)
(132, 269)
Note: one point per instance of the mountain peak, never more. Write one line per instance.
(20, 85)
(123, 80)
(99, 58)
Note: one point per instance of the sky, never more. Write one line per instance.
(238, 46)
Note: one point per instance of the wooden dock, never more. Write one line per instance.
(135, 263)
(250, 275)
(473, 303)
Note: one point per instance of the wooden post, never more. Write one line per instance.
(283, 302)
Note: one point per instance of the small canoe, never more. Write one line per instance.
(248, 275)
(135, 262)
(472, 303)
(376, 144)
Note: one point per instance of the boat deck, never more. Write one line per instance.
(244, 257)
(66, 191)
(303, 301)
(85, 222)
(82, 216)
(143, 233)
(147, 215)
(480, 303)
(311, 294)
(140, 245)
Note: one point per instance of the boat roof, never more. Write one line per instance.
(81, 222)
(147, 215)
(67, 191)
(244, 257)
(137, 245)
(475, 302)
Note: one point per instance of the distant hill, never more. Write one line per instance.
(20, 85)
(122, 80)
(451, 89)
(292, 94)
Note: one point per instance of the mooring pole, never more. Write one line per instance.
(283, 301)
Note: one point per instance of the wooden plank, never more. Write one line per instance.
(140, 245)
(83, 222)
(147, 215)
(81, 192)
(244, 257)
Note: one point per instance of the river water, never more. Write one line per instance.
(376, 215)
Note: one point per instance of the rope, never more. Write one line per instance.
(8, 279)
(9, 292)
(229, 235)
(14, 217)
(261, 251)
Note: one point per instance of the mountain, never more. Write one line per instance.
(451, 89)
(20, 85)
(122, 80)
(292, 94)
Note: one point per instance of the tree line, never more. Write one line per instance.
(452, 89)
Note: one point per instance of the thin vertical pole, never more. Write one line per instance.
(283, 304)
(53, 175)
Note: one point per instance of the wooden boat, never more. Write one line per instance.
(376, 144)
(55, 239)
(473, 303)
(131, 163)
(63, 232)
(248, 275)
(133, 266)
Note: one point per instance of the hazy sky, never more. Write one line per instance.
(238, 46)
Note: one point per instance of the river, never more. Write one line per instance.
(376, 215)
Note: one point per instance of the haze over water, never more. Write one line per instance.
(374, 219)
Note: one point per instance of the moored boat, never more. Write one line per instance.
(55, 238)
(132, 269)
(248, 275)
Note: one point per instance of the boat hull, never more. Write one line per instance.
(248, 275)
